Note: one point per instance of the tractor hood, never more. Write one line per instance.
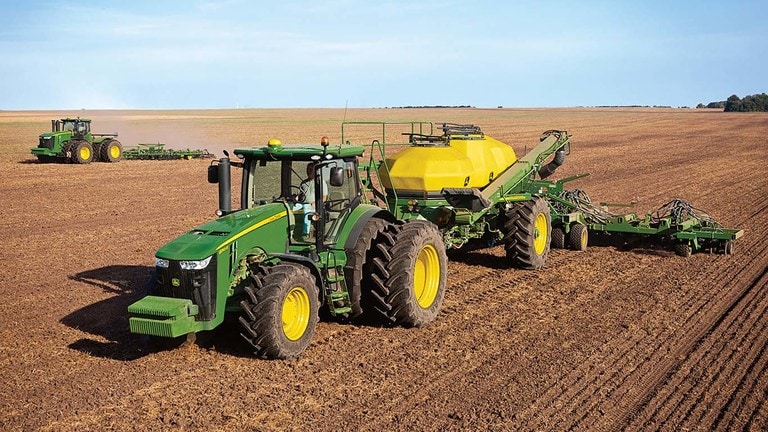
(53, 134)
(218, 234)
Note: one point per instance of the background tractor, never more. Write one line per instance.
(71, 140)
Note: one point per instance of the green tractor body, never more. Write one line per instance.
(287, 252)
(71, 140)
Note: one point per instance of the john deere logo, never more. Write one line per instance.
(175, 282)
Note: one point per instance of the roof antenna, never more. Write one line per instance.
(345, 110)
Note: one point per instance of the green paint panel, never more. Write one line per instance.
(208, 238)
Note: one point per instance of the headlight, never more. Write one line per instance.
(162, 263)
(195, 265)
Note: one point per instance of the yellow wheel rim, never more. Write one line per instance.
(85, 153)
(540, 234)
(114, 151)
(583, 238)
(296, 312)
(426, 276)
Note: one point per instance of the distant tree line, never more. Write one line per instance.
(756, 102)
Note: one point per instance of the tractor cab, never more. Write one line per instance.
(77, 126)
(317, 186)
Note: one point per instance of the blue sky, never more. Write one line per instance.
(238, 53)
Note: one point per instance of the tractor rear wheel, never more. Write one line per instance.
(578, 237)
(280, 308)
(358, 264)
(527, 233)
(111, 151)
(558, 238)
(82, 152)
(408, 273)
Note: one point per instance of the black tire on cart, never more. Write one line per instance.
(558, 238)
(578, 237)
(527, 233)
(683, 249)
(728, 247)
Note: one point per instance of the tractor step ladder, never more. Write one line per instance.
(337, 295)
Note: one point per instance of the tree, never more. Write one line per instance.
(756, 102)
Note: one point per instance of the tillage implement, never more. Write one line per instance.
(362, 234)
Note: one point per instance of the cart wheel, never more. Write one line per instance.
(558, 238)
(728, 247)
(683, 249)
(577, 238)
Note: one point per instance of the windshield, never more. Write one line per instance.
(299, 188)
(267, 180)
(266, 183)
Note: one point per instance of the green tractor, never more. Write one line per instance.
(71, 140)
(318, 231)
(290, 252)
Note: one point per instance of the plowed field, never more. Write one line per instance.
(610, 338)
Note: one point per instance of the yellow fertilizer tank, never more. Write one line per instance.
(461, 158)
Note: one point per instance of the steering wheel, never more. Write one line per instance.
(297, 196)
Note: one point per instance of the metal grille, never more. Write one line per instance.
(196, 285)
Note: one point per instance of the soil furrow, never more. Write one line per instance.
(738, 340)
(622, 364)
(642, 389)
(584, 384)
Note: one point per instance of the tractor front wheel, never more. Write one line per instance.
(280, 308)
(81, 152)
(527, 233)
(409, 272)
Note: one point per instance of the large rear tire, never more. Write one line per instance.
(280, 310)
(82, 152)
(527, 233)
(409, 274)
(357, 269)
(111, 151)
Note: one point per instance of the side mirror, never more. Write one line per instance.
(337, 177)
(213, 174)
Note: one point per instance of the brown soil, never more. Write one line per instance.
(607, 339)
